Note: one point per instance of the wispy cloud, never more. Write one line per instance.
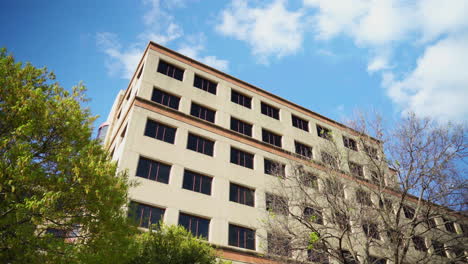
(159, 26)
(270, 30)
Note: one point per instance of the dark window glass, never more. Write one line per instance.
(279, 244)
(348, 257)
(197, 182)
(408, 211)
(329, 159)
(318, 255)
(356, 169)
(242, 158)
(274, 168)
(350, 143)
(342, 220)
(270, 111)
(170, 70)
(241, 127)
(419, 243)
(309, 179)
(271, 138)
(324, 132)
(371, 152)
(241, 194)
(198, 226)
(241, 237)
(377, 260)
(202, 112)
(303, 150)
(334, 187)
(386, 204)
(141, 71)
(153, 170)
(204, 84)
(199, 144)
(166, 99)
(144, 215)
(276, 204)
(363, 197)
(300, 123)
(371, 230)
(241, 99)
(449, 225)
(314, 215)
(439, 248)
(159, 131)
(430, 222)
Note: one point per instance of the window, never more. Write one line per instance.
(198, 226)
(408, 211)
(342, 221)
(324, 132)
(449, 225)
(419, 243)
(356, 169)
(300, 123)
(241, 127)
(276, 204)
(303, 150)
(375, 177)
(314, 215)
(309, 179)
(371, 230)
(170, 70)
(439, 248)
(200, 144)
(204, 84)
(145, 215)
(363, 197)
(371, 152)
(318, 255)
(459, 253)
(166, 99)
(386, 204)
(348, 257)
(271, 138)
(241, 99)
(240, 194)
(242, 158)
(279, 244)
(376, 260)
(329, 160)
(430, 223)
(159, 131)
(270, 111)
(202, 112)
(241, 237)
(350, 143)
(274, 168)
(141, 71)
(196, 182)
(153, 170)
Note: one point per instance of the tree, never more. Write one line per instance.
(60, 199)
(357, 206)
(172, 245)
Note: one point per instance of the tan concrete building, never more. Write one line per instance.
(201, 144)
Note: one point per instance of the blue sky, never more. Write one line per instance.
(331, 56)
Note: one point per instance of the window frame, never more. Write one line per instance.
(272, 138)
(167, 166)
(206, 115)
(237, 96)
(270, 110)
(205, 85)
(350, 143)
(241, 195)
(171, 98)
(197, 177)
(299, 123)
(175, 70)
(275, 168)
(168, 132)
(241, 124)
(324, 132)
(139, 217)
(207, 145)
(242, 158)
(298, 149)
(198, 220)
(248, 232)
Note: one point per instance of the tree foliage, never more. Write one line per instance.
(60, 199)
(357, 205)
(172, 245)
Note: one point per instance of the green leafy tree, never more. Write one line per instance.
(60, 199)
(172, 245)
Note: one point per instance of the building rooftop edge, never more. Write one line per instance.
(253, 87)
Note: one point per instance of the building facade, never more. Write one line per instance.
(202, 145)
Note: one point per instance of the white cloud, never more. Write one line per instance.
(270, 30)
(194, 46)
(160, 27)
(438, 86)
(121, 63)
